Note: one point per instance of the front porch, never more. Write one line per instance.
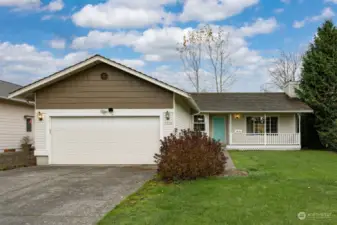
(253, 131)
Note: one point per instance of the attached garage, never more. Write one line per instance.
(104, 140)
(101, 112)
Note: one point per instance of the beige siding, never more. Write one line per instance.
(183, 118)
(86, 90)
(13, 123)
(287, 123)
(40, 136)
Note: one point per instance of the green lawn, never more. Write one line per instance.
(279, 185)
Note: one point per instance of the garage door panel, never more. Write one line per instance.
(107, 140)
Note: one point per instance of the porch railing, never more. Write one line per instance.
(265, 139)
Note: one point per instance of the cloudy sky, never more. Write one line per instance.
(39, 37)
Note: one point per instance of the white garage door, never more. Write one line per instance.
(107, 140)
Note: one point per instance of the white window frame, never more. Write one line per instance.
(264, 125)
(204, 122)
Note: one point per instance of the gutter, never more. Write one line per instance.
(18, 100)
(194, 104)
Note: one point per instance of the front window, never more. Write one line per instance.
(29, 122)
(199, 123)
(256, 125)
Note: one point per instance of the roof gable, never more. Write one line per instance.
(86, 64)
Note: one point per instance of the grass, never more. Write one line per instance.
(279, 185)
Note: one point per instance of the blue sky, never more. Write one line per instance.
(40, 37)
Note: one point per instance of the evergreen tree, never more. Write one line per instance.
(318, 87)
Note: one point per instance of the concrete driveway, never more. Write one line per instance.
(65, 195)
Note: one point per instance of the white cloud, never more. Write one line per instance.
(23, 63)
(327, 13)
(55, 5)
(285, 1)
(159, 44)
(331, 1)
(57, 43)
(260, 26)
(156, 44)
(299, 24)
(210, 10)
(254, 74)
(133, 63)
(175, 78)
(53, 16)
(99, 39)
(279, 10)
(46, 17)
(123, 14)
(20, 3)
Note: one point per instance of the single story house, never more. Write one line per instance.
(101, 112)
(16, 118)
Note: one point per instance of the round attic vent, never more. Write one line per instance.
(104, 76)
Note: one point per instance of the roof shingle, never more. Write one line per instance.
(248, 102)
(7, 87)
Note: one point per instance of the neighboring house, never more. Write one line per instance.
(16, 118)
(101, 112)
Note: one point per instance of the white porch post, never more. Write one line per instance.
(230, 129)
(265, 129)
(208, 132)
(299, 128)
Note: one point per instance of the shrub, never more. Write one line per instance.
(189, 155)
(329, 136)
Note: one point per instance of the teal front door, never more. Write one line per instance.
(219, 129)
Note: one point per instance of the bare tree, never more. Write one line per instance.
(285, 68)
(203, 49)
(218, 52)
(191, 54)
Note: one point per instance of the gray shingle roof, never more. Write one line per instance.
(248, 102)
(7, 87)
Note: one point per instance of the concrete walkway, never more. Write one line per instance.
(53, 195)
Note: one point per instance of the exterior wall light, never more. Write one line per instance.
(167, 115)
(40, 116)
(237, 116)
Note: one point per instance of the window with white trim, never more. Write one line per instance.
(255, 125)
(199, 123)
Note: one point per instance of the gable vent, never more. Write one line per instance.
(104, 76)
